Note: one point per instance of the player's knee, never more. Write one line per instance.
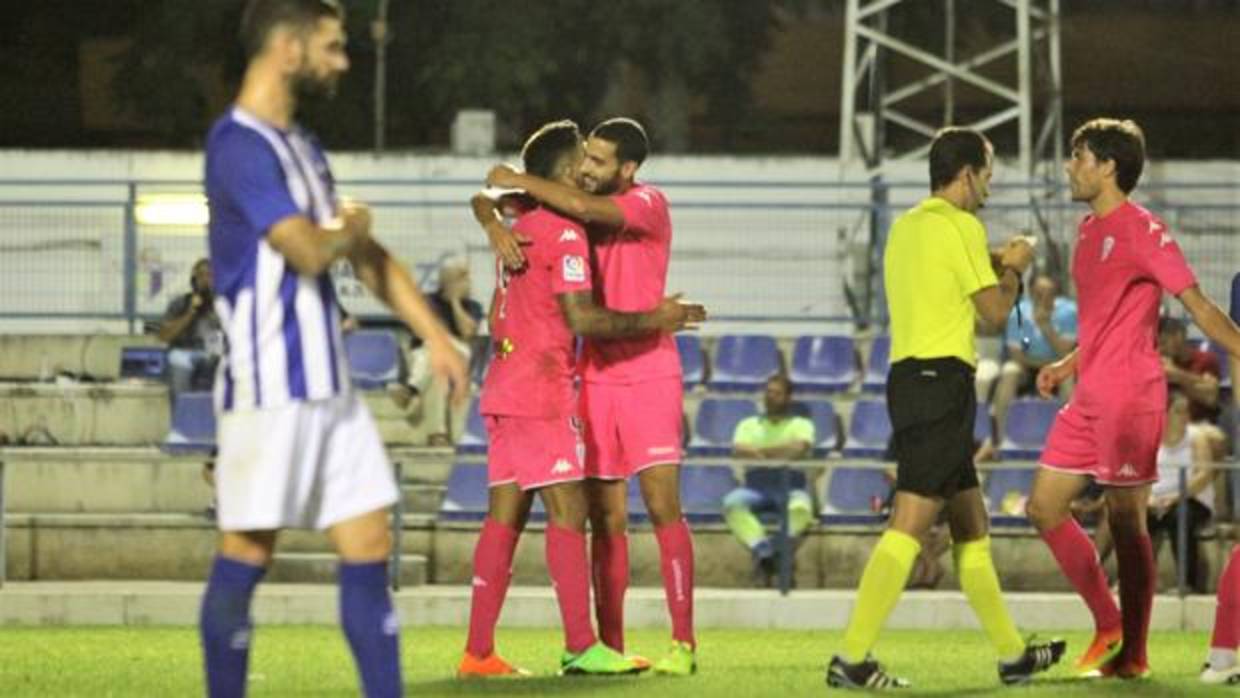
(609, 521)
(663, 510)
(1044, 515)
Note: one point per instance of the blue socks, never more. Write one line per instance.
(224, 625)
(371, 627)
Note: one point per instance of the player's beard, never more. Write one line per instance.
(601, 187)
(309, 87)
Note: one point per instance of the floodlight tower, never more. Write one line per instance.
(874, 120)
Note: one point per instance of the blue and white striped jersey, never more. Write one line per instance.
(282, 328)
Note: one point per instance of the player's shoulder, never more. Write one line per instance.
(232, 136)
(544, 225)
(648, 194)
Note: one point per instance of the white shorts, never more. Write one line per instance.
(300, 465)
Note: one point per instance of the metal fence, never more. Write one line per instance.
(761, 251)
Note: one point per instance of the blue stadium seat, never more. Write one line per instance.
(1224, 365)
(852, 494)
(150, 363)
(744, 362)
(692, 359)
(983, 426)
(826, 424)
(465, 496)
(1028, 422)
(716, 423)
(374, 358)
(1006, 492)
(824, 364)
(875, 380)
(474, 440)
(772, 479)
(193, 424)
(869, 430)
(702, 488)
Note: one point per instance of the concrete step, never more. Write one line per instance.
(28, 357)
(104, 414)
(320, 568)
(422, 499)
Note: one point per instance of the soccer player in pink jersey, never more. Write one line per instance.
(530, 406)
(1221, 664)
(631, 392)
(1125, 258)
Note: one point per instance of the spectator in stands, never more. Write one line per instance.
(1042, 329)
(192, 331)
(420, 398)
(1195, 371)
(1184, 445)
(776, 435)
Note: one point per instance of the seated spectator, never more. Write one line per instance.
(776, 435)
(192, 331)
(1184, 445)
(1195, 372)
(422, 399)
(1044, 332)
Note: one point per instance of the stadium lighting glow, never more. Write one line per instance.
(172, 210)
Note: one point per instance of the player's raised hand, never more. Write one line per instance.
(504, 176)
(507, 244)
(447, 364)
(674, 314)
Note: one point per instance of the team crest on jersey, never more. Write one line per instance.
(569, 235)
(574, 268)
(1108, 244)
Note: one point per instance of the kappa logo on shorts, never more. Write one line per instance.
(574, 268)
(1126, 470)
(562, 467)
(662, 450)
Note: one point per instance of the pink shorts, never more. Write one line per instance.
(533, 452)
(1114, 447)
(631, 427)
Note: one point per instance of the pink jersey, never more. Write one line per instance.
(531, 374)
(631, 266)
(1122, 264)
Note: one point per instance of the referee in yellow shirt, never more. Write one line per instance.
(939, 277)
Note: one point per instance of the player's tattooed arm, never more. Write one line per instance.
(573, 202)
(587, 319)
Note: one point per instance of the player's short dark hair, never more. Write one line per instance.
(629, 137)
(955, 147)
(543, 150)
(1120, 141)
(262, 16)
(1172, 325)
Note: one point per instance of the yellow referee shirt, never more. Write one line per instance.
(936, 259)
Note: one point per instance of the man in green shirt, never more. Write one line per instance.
(776, 435)
(939, 278)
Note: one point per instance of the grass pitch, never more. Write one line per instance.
(314, 661)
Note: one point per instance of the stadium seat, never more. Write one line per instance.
(465, 496)
(193, 424)
(826, 424)
(744, 362)
(716, 423)
(772, 479)
(150, 363)
(1224, 365)
(983, 426)
(1028, 422)
(474, 439)
(868, 431)
(692, 360)
(702, 488)
(1006, 493)
(875, 380)
(854, 495)
(823, 364)
(374, 358)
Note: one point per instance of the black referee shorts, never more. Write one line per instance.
(932, 404)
